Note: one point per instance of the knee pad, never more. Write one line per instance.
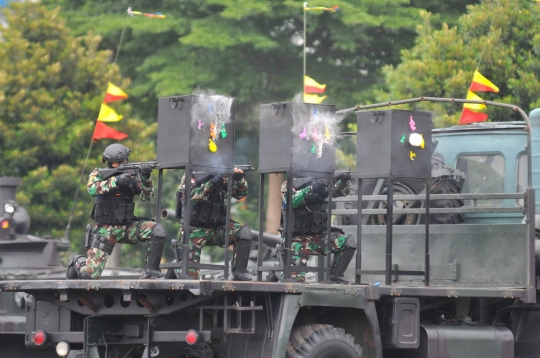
(159, 231)
(350, 242)
(75, 263)
(101, 242)
(244, 233)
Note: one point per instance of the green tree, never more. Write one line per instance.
(51, 87)
(252, 50)
(502, 44)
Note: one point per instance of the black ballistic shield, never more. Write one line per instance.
(287, 143)
(383, 147)
(185, 135)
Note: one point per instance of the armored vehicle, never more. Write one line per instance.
(456, 288)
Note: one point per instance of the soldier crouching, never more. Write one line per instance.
(114, 220)
(207, 220)
(309, 226)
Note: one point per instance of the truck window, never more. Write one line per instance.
(483, 174)
(521, 177)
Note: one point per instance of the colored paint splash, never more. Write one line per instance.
(412, 124)
(223, 131)
(213, 130)
(303, 135)
(315, 135)
(212, 146)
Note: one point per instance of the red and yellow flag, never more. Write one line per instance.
(482, 84)
(114, 93)
(468, 116)
(312, 86)
(103, 131)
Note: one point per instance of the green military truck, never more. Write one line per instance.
(465, 288)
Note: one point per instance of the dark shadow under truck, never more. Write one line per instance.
(468, 291)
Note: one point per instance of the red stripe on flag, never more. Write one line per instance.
(111, 98)
(103, 131)
(311, 89)
(468, 116)
(478, 87)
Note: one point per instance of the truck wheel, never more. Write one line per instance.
(322, 341)
(406, 186)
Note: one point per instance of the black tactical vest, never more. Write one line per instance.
(115, 207)
(211, 212)
(309, 218)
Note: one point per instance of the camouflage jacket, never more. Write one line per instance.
(200, 193)
(299, 196)
(97, 186)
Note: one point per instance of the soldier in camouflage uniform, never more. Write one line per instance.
(207, 220)
(114, 221)
(309, 226)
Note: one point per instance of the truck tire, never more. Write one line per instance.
(322, 341)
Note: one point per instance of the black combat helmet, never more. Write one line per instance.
(115, 153)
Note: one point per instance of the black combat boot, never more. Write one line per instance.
(343, 259)
(153, 254)
(243, 249)
(338, 269)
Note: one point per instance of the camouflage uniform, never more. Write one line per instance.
(138, 231)
(304, 245)
(210, 236)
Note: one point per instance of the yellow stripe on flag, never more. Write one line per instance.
(313, 98)
(475, 106)
(116, 91)
(107, 114)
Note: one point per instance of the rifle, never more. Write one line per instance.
(246, 168)
(106, 173)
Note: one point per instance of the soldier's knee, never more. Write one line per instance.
(102, 243)
(244, 233)
(350, 242)
(74, 266)
(159, 231)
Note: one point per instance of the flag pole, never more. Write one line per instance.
(303, 78)
(68, 226)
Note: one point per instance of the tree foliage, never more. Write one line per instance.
(502, 44)
(51, 87)
(252, 50)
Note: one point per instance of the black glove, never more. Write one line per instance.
(318, 188)
(218, 182)
(238, 176)
(124, 180)
(344, 177)
(146, 169)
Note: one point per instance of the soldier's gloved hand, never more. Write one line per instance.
(124, 180)
(318, 188)
(146, 169)
(344, 177)
(238, 176)
(218, 182)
